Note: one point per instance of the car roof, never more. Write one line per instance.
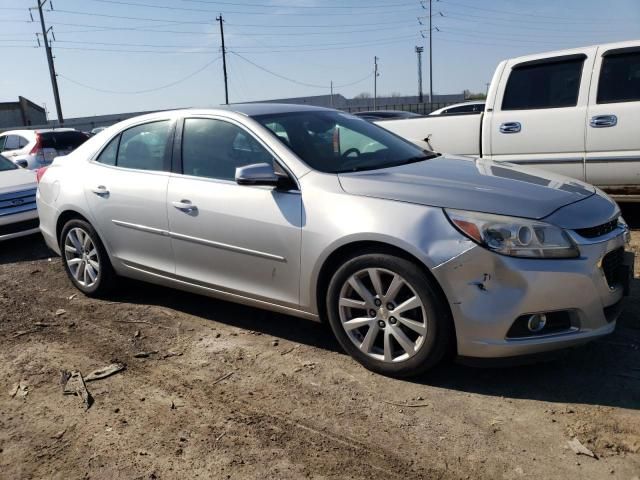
(254, 109)
(39, 130)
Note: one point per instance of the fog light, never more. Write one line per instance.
(537, 322)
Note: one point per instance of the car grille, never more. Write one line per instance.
(611, 265)
(17, 202)
(19, 227)
(599, 230)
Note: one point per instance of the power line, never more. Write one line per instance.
(263, 5)
(297, 82)
(134, 44)
(526, 14)
(332, 25)
(296, 46)
(73, 12)
(135, 92)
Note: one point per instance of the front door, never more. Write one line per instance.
(244, 240)
(126, 188)
(539, 116)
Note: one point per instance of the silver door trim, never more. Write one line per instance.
(225, 246)
(612, 159)
(142, 228)
(222, 294)
(545, 161)
(201, 241)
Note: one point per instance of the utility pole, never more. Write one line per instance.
(52, 69)
(375, 81)
(430, 59)
(419, 51)
(224, 61)
(331, 93)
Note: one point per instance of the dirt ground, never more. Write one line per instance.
(235, 392)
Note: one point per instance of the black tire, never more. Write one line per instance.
(106, 276)
(439, 331)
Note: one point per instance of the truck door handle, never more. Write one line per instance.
(100, 190)
(185, 206)
(603, 121)
(510, 127)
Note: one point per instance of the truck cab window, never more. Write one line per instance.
(543, 85)
(619, 78)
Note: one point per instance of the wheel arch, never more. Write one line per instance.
(349, 250)
(64, 217)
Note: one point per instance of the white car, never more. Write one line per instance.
(572, 112)
(465, 108)
(18, 214)
(34, 149)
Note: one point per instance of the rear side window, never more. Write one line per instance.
(543, 85)
(145, 147)
(22, 142)
(12, 142)
(215, 148)
(110, 153)
(619, 78)
(62, 141)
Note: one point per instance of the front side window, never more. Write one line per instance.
(619, 78)
(145, 147)
(336, 142)
(543, 85)
(6, 164)
(214, 149)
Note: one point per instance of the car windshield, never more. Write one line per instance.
(6, 164)
(335, 142)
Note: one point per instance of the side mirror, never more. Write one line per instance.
(257, 174)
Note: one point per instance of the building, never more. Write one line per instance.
(410, 102)
(22, 113)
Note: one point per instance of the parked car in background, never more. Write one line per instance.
(316, 213)
(386, 114)
(18, 214)
(33, 149)
(460, 109)
(573, 112)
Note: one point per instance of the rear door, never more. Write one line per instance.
(126, 188)
(539, 114)
(613, 126)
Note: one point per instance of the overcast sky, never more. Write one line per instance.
(130, 55)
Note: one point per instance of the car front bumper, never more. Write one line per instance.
(487, 292)
(19, 225)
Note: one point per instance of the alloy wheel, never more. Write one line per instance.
(382, 315)
(81, 256)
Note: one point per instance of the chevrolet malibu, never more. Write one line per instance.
(408, 255)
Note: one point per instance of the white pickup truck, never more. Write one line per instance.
(574, 112)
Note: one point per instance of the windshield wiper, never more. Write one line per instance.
(420, 158)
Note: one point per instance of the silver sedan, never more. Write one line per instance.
(409, 255)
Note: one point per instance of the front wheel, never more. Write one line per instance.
(386, 313)
(85, 259)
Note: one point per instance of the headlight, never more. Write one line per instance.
(516, 237)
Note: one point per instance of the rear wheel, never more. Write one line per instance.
(386, 313)
(85, 259)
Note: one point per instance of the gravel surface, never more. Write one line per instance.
(217, 390)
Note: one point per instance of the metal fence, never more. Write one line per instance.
(421, 108)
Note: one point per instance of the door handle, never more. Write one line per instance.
(603, 121)
(100, 190)
(185, 206)
(510, 127)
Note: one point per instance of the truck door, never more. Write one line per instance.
(539, 114)
(613, 135)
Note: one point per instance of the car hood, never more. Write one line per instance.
(14, 180)
(471, 184)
